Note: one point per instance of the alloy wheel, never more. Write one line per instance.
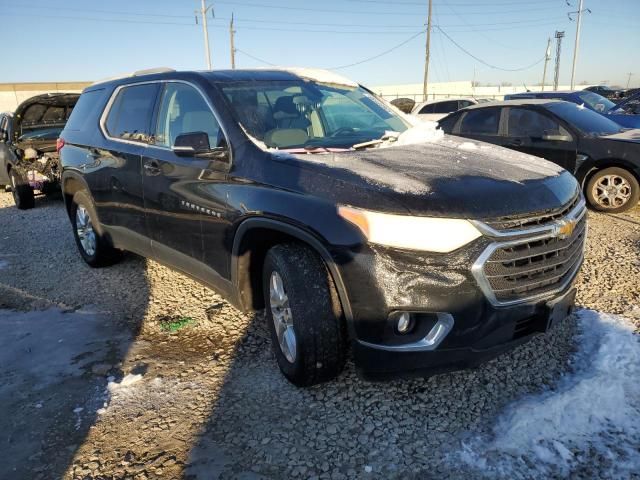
(85, 231)
(282, 317)
(611, 191)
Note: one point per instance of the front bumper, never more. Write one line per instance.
(502, 330)
(382, 282)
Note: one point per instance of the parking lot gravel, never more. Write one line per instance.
(207, 401)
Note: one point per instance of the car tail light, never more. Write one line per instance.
(59, 144)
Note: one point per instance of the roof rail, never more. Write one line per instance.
(137, 73)
(150, 71)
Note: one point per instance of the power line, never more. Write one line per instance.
(482, 61)
(360, 13)
(473, 4)
(340, 67)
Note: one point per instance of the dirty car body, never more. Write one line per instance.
(479, 248)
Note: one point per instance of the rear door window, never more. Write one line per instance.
(130, 115)
(483, 121)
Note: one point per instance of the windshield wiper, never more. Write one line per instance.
(388, 136)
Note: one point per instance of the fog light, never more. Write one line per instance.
(404, 322)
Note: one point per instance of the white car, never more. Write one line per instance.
(435, 110)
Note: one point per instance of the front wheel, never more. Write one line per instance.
(93, 247)
(613, 190)
(22, 192)
(304, 315)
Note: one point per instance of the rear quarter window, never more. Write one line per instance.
(85, 111)
(483, 121)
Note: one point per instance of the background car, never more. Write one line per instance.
(434, 110)
(28, 157)
(591, 100)
(604, 157)
(606, 91)
(404, 104)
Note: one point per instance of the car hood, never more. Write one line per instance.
(451, 177)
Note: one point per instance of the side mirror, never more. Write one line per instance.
(192, 143)
(556, 137)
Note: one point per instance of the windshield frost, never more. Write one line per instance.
(303, 114)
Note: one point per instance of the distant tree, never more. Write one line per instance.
(506, 84)
(475, 83)
(584, 82)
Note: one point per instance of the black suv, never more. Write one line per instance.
(277, 189)
(604, 157)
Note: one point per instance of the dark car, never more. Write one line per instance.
(606, 91)
(28, 157)
(604, 157)
(624, 117)
(285, 189)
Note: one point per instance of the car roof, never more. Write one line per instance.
(552, 92)
(517, 102)
(237, 75)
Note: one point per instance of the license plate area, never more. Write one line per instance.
(559, 309)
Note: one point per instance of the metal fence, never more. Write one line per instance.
(419, 97)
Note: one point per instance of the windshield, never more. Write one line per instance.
(585, 120)
(304, 114)
(596, 102)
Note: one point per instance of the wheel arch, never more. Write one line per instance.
(253, 238)
(609, 163)
(71, 184)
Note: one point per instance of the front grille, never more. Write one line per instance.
(530, 221)
(530, 268)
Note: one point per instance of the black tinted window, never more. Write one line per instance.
(481, 122)
(427, 109)
(446, 107)
(529, 123)
(448, 122)
(85, 109)
(130, 114)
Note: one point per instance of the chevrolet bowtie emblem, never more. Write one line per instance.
(564, 228)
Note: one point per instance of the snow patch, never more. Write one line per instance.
(423, 132)
(468, 146)
(594, 410)
(126, 382)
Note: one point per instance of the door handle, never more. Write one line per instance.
(151, 167)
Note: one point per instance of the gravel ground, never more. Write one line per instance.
(208, 401)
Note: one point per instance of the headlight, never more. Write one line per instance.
(430, 234)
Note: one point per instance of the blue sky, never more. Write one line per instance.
(92, 40)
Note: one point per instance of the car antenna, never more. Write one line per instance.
(525, 87)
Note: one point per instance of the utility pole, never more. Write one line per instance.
(547, 56)
(629, 78)
(203, 12)
(233, 48)
(577, 44)
(427, 53)
(559, 36)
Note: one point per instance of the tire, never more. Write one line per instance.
(94, 249)
(314, 315)
(613, 190)
(22, 192)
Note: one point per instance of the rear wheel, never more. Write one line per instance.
(22, 191)
(304, 315)
(93, 247)
(613, 190)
